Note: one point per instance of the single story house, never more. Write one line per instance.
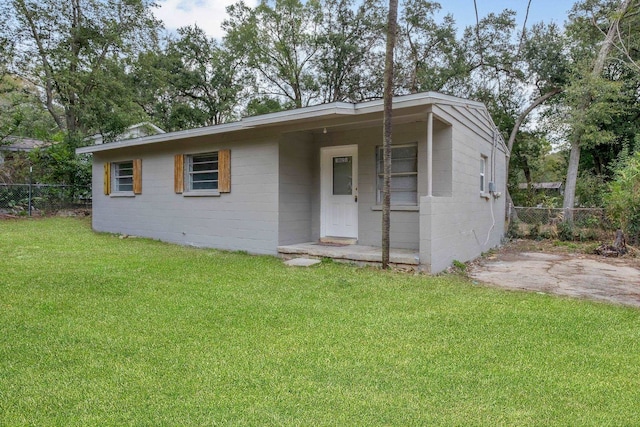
(18, 144)
(134, 131)
(550, 188)
(314, 174)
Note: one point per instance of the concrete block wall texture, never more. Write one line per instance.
(244, 219)
(465, 224)
(295, 187)
(275, 190)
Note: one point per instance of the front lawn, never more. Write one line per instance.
(98, 330)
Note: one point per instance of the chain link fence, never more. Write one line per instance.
(40, 199)
(549, 223)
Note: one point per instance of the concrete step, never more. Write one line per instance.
(338, 241)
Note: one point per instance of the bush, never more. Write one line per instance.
(565, 231)
(622, 203)
(514, 231)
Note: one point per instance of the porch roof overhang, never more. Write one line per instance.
(341, 111)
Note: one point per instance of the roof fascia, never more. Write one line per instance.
(289, 116)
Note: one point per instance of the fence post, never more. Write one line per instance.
(30, 182)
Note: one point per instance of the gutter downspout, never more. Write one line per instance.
(430, 153)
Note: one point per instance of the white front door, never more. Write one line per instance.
(339, 191)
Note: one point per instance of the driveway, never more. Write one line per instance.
(613, 280)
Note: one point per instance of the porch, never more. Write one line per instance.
(357, 254)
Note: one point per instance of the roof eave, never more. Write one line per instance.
(290, 116)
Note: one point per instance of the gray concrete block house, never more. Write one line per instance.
(280, 181)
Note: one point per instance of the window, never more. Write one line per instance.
(404, 174)
(203, 174)
(123, 177)
(483, 170)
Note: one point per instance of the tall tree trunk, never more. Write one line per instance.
(392, 24)
(511, 213)
(576, 138)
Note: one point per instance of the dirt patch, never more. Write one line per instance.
(561, 269)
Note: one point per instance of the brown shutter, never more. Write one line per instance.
(107, 178)
(224, 171)
(137, 176)
(178, 173)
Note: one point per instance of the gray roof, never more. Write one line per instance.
(17, 143)
(316, 112)
(542, 185)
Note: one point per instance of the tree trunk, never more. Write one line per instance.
(570, 184)
(516, 127)
(576, 138)
(392, 23)
(618, 248)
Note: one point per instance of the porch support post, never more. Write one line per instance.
(430, 153)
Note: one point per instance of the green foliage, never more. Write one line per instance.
(278, 39)
(76, 53)
(566, 231)
(623, 200)
(191, 82)
(59, 164)
(349, 36)
(21, 112)
(264, 105)
(428, 55)
(15, 169)
(514, 231)
(592, 121)
(591, 190)
(459, 266)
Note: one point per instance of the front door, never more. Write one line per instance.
(339, 190)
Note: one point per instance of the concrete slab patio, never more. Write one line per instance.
(610, 280)
(357, 254)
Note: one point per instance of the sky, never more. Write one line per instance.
(209, 14)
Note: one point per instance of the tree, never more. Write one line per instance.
(388, 133)
(21, 113)
(278, 40)
(427, 54)
(593, 94)
(75, 52)
(623, 199)
(209, 76)
(349, 41)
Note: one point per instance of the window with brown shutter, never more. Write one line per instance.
(203, 174)
(178, 173)
(224, 171)
(107, 178)
(137, 176)
(123, 179)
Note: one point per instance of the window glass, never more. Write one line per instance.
(202, 171)
(404, 174)
(123, 175)
(483, 168)
(342, 175)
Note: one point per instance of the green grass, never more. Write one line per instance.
(98, 330)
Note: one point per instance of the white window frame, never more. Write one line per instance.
(189, 174)
(380, 174)
(122, 174)
(483, 174)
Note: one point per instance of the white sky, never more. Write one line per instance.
(209, 14)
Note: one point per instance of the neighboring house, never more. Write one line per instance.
(314, 173)
(549, 188)
(16, 144)
(135, 131)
